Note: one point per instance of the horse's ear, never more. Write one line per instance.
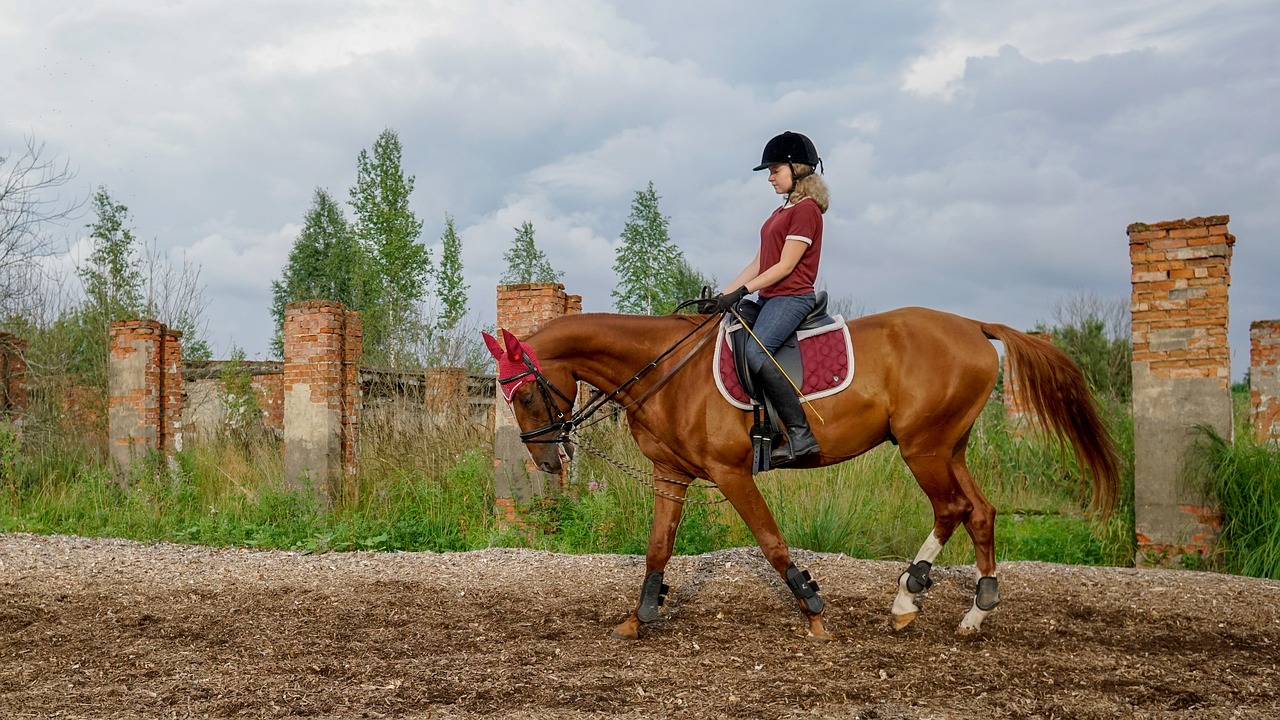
(513, 345)
(495, 348)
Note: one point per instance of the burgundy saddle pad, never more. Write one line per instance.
(827, 354)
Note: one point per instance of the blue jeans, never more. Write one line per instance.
(779, 317)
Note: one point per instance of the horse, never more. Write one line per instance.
(921, 379)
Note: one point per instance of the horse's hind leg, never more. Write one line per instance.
(742, 492)
(981, 526)
(950, 507)
(668, 507)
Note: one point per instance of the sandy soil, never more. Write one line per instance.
(112, 629)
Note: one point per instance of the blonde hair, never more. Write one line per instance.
(810, 185)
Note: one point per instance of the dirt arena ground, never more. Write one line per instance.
(110, 629)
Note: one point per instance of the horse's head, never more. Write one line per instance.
(541, 399)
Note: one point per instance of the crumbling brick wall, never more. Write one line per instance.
(1264, 380)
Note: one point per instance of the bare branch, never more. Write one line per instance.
(175, 296)
(1074, 309)
(31, 202)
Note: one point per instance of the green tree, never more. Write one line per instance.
(113, 290)
(525, 262)
(449, 282)
(652, 272)
(394, 283)
(689, 282)
(120, 283)
(324, 264)
(112, 281)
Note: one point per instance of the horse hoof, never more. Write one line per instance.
(817, 631)
(901, 622)
(966, 631)
(628, 629)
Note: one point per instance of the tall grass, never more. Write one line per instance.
(417, 492)
(430, 487)
(1243, 477)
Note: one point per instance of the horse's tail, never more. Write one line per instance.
(1055, 390)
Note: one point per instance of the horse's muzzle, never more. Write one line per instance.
(557, 462)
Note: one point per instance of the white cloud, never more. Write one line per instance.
(1064, 31)
(983, 158)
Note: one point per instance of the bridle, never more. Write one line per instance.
(561, 425)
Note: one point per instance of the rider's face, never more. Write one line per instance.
(780, 178)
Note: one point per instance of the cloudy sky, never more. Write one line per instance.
(984, 157)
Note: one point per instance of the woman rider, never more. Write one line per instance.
(783, 274)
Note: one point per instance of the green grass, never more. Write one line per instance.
(1244, 479)
(429, 489)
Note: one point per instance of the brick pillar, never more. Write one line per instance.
(144, 390)
(1264, 380)
(1181, 377)
(13, 376)
(523, 309)
(322, 398)
(1015, 406)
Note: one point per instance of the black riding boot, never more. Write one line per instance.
(800, 440)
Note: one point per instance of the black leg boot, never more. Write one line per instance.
(800, 440)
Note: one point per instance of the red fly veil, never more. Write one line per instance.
(511, 361)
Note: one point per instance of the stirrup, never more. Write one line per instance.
(782, 455)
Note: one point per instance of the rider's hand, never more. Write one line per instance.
(724, 302)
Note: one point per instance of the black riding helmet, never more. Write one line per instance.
(790, 148)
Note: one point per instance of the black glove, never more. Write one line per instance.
(722, 303)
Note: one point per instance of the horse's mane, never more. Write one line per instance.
(614, 320)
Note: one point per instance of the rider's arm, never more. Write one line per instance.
(791, 253)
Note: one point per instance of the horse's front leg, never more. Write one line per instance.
(668, 506)
(742, 492)
(915, 579)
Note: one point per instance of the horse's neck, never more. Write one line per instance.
(608, 352)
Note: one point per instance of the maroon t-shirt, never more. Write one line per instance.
(803, 222)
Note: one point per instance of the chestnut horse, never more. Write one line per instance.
(921, 379)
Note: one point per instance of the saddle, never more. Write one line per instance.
(818, 357)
